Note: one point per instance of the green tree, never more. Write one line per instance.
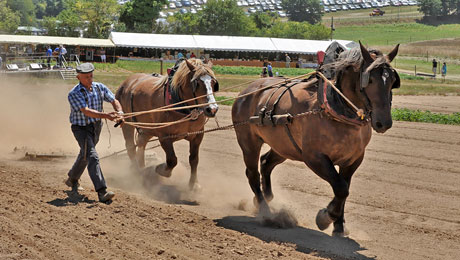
(10, 20)
(48, 8)
(182, 24)
(140, 15)
(69, 23)
(296, 30)
(51, 26)
(224, 17)
(100, 15)
(264, 20)
(303, 10)
(26, 10)
(431, 7)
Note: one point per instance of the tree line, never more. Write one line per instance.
(97, 18)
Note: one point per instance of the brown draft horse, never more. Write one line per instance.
(142, 92)
(318, 139)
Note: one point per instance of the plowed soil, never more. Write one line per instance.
(404, 200)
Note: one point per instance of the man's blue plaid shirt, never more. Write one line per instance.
(79, 97)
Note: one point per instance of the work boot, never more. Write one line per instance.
(105, 195)
(75, 185)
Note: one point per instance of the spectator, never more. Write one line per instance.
(188, 55)
(264, 72)
(435, 66)
(193, 55)
(49, 54)
(180, 56)
(288, 61)
(270, 69)
(103, 57)
(57, 52)
(444, 70)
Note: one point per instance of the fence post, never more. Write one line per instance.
(161, 67)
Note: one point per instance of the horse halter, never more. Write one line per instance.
(364, 82)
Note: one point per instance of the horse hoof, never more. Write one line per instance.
(264, 210)
(195, 187)
(344, 233)
(160, 169)
(323, 220)
(268, 197)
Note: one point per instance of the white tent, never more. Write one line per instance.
(221, 43)
(54, 40)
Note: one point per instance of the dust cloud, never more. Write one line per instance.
(34, 116)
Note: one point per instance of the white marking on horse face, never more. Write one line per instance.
(210, 96)
(385, 76)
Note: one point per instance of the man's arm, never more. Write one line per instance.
(117, 106)
(89, 112)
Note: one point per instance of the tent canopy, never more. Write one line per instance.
(221, 43)
(54, 40)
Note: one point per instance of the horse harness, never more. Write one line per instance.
(330, 102)
(267, 117)
(170, 95)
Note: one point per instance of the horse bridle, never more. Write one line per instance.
(364, 82)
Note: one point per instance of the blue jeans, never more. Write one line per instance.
(87, 138)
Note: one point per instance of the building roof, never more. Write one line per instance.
(54, 40)
(222, 43)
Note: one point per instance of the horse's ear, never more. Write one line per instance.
(365, 53)
(393, 53)
(190, 66)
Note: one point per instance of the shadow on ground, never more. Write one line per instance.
(306, 240)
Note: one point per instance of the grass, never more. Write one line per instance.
(392, 34)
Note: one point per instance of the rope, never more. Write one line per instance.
(227, 127)
(170, 108)
(359, 111)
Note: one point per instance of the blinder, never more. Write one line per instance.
(194, 86)
(216, 86)
(397, 83)
(365, 79)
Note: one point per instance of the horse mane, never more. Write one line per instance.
(354, 58)
(182, 77)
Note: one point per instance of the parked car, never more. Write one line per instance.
(377, 12)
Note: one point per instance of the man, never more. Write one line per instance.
(86, 112)
(435, 67)
(288, 61)
(49, 54)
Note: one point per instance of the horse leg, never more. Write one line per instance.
(250, 145)
(142, 141)
(346, 173)
(128, 134)
(193, 160)
(268, 162)
(324, 168)
(165, 169)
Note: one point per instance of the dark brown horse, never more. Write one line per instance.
(142, 92)
(322, 138)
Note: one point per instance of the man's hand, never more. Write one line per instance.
(112, 116)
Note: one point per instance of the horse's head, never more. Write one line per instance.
(198, 79)
(377, 80)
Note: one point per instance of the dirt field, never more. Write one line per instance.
(404, 201)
